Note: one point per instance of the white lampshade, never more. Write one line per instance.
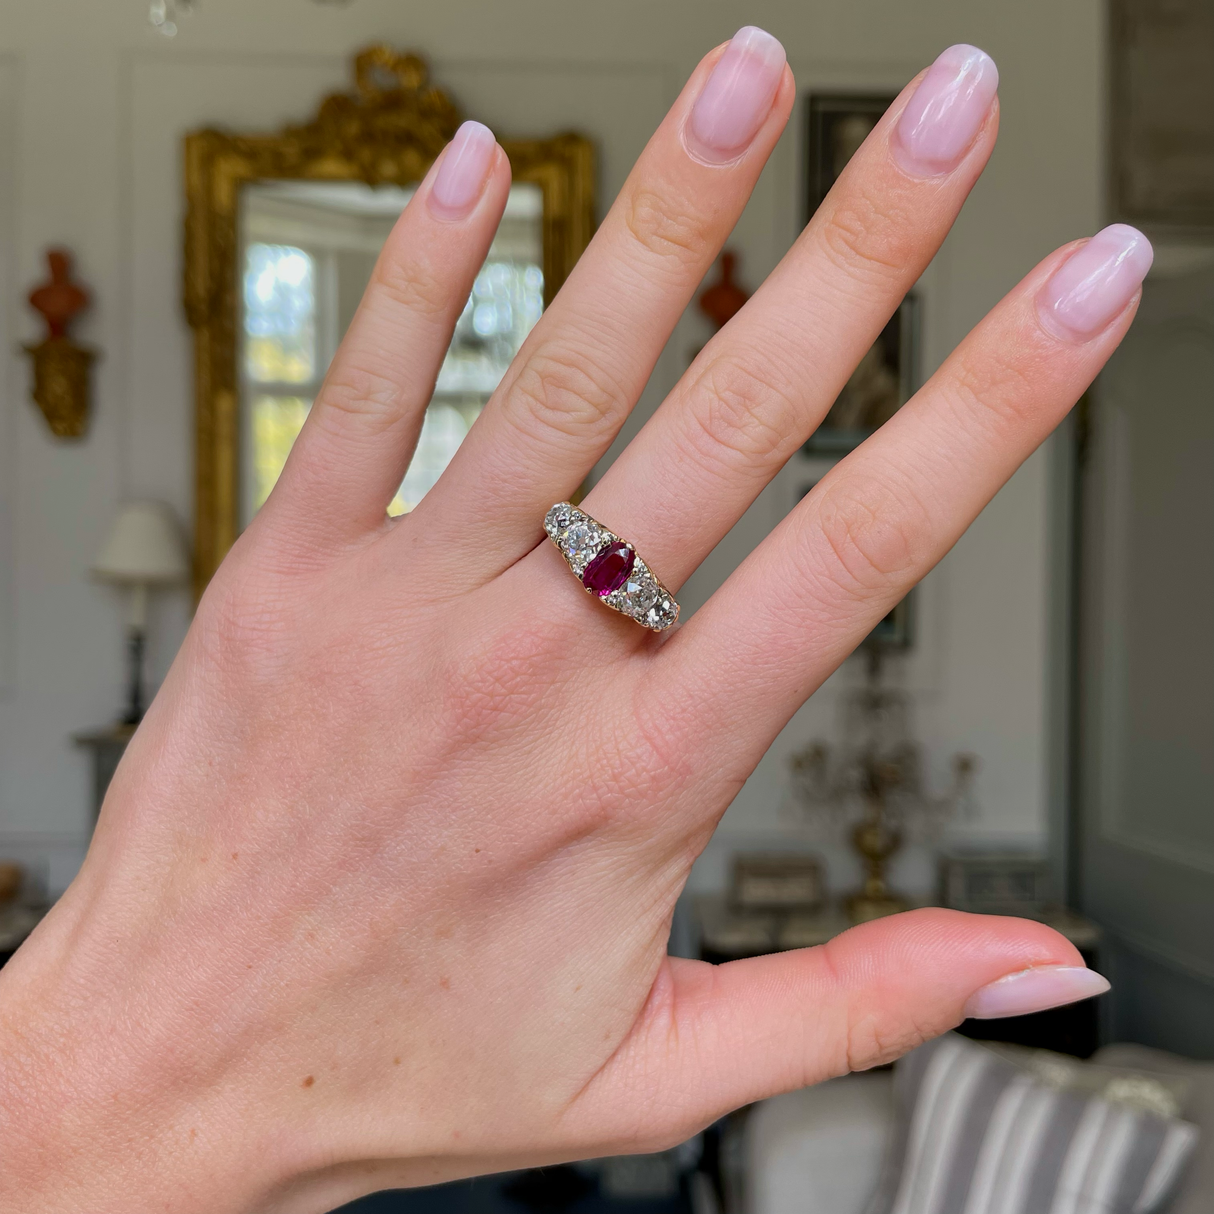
(144, 545)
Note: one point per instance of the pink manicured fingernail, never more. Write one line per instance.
(465, 168)
(1034, 990)
(1095, 283)
(947, 111)
(736, 98)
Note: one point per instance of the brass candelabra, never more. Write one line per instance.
(872, 788)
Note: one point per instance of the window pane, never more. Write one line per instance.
(279, 314)
(505, 303)
(442, 432)
(277, 421)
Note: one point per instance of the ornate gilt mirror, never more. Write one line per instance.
(282, 231)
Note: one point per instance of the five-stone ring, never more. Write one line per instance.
(609, 568)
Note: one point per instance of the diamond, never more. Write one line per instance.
(662, 614)
(609, 570)
(640, 594)
(559, 518)
(580, 543)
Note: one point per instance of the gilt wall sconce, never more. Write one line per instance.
(61, 367)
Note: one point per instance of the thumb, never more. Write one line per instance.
(713, 1038)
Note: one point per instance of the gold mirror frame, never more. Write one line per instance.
(388, 132)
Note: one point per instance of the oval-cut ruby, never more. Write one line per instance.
(609, 570)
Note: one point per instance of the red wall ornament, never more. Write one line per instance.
(722, 301)
(61, 367)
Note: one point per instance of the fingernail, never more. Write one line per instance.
(947, 111)
(1034, 990)
(465, 168)
(1094, 284)
(736, 98)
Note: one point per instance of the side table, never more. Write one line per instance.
(16, 922)
(105, 747)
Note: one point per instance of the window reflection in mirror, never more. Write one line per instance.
(308, 249)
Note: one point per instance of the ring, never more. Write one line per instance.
(609, 568)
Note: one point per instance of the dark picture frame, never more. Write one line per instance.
(896, 629)
(836, 124)
(1161, 83)
(887, 377)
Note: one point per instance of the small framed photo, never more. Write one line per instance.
(994, 883)
(777, 881)
(894, 631)
(1162, 123)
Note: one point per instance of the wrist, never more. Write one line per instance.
(100, 1108)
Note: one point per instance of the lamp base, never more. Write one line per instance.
(861, 907)
(134, 654)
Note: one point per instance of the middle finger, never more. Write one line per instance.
(763, 384)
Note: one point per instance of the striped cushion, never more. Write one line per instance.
(981, 1135)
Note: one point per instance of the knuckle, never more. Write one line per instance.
(864, 1034)
(872, 1040)
(665, 231)
(412, 286)
(353, 392)
(652, 762)
(245, 622)
(741, 419)
(630, 768)
(867, 237)
(997, 386)
(871, 536)
(498, 684)
(559, 390)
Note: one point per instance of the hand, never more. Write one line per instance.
(380, 893)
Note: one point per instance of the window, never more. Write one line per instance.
(309, 251)
(280, 356)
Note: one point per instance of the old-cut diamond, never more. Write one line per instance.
(559, 518)
(662, 614)
(640, 593)
(580, 543)
(609, 569)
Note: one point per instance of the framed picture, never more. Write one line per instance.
(836, 125)
(884, 381)
(894, 631)
(994, 883)
(1162, 109)
(777, 881)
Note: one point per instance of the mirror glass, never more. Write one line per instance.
(307, 249)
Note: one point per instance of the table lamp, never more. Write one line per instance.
(143, 549)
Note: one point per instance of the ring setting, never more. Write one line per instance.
(609, 568)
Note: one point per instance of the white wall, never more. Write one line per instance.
(93, 103)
